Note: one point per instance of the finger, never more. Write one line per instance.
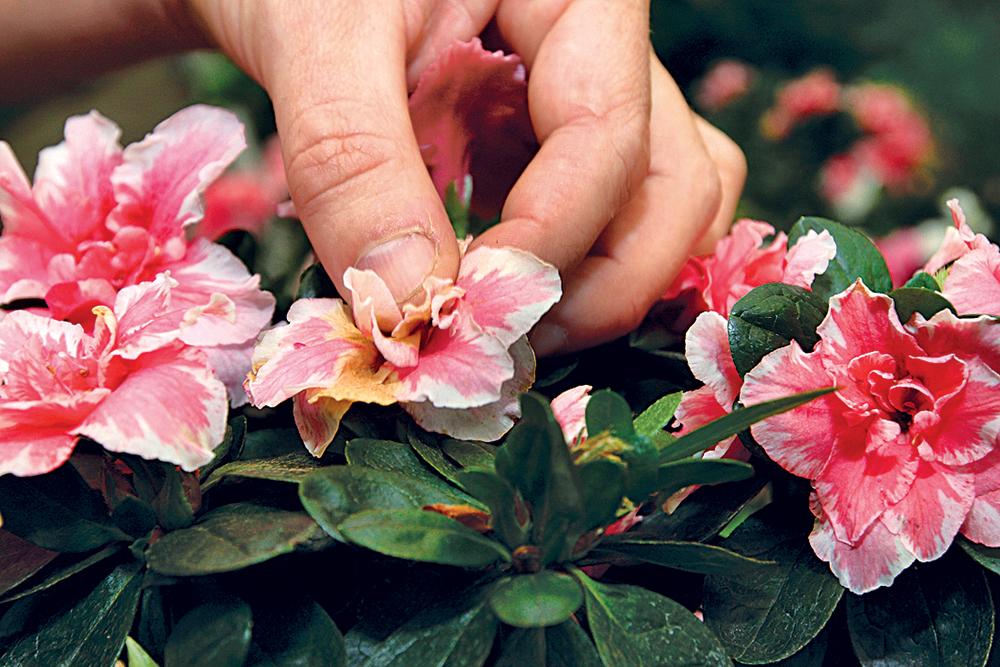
(336, 72)
(647, 243)
(588, 95)
(732, 168)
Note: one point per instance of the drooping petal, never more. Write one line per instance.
(874, 561)
(808, 258)
(710, 358)
(168, 407)
(507, 290)
(318, 419)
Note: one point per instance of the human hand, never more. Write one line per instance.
(626, 183)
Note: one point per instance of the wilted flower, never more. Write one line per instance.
(900, 457)
(58, 383)
(456, 361)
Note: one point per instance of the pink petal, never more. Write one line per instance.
(710, 359)
(570, 410)
(37, 436)
(24, 270)
(75, 301)
(470, 115)
(973, 282)
(183, 410)
(230, 364)
(808, 258)
(958, 240)
(507, 290)
(874, 561)
(970, 422)
(19, 211)
(159, 184)
(146, 319)
(371, 302)
(318, 420)
(487, 422)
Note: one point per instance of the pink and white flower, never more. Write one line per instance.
(100, 218)
(58, 382)
(972, 281)
(900, 457)
(456, 362)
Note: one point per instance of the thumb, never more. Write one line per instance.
(365, 198)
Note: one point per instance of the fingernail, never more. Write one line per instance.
(403, 263)
(547, 338)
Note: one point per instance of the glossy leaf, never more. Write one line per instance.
(469, 454)
(677, 475)
(388, 456)
(287, 468)
(687, 556)
(654, 418)
(609, 412)
(57, 511)
(422, 536)
(536, 600)
(60, 569)
(910, 300)
(501, 498)
(769, 614)
(229, 538)
(89, 633)
(214, 634)
(937, 613)
(635, 627)
(857, 257)
(729, 425)
(294, 630)
(333, 493)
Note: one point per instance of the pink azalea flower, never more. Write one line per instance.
(100, 218)
(815, 94)
(900, 457)
(57, 383)
(726, 82)
(470, 117)
(741, 262)
(570, 410)
(456, 362)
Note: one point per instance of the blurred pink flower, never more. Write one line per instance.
(972, 283)
(100, 218)
(724, 83)
(470, 117)
(815, 94)
(899, 456)
(905, 251)
(58, 383)
(456, 362)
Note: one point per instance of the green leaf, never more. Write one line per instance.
(294, 630)
(457, 207)
(603, 485)
(422, 536)
(333, 493)
(89, 633)
(725, 427)
(923, 280)
(567, 645)
(501, 498)
(988, 557)
(536, 600)
(635, 627)
(315, 283)
(161, 484)
(687, 556)
(680, 474)
(857, 257)
(523, 647)
(937, 613)
(214, 634)
(609, 412)
(910, 300)
(642, 459)
(229, 538)
(769, 317)
(57, 511)
(769, 614)
(137, 656)
(457, 633)
(270, 443)
(19, 560)
(654, 418)
(60, 569)
(236, 431)
(432, 455)
(469, 454)
(287, 468)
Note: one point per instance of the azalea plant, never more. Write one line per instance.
(790, 462)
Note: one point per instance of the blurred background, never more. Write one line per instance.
(869, 112)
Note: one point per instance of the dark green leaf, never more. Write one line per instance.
(680, 474)
(501, 498)
(215, 634)
(315, 283)
(270, 443)
(523, 647)
(456, 634)
(654, 418)
(90, 633)
(635, 627)
(643, 461)
(60, 569)
(769, 614)
(986, 556)
(422, 536)
(937, 613)
(567, 645)
(609, 412)
(230, 538)
(923, 280)
(162, 485)
(287, 468)
(332, 494)
(536, 600)
(603, 485)
(19, 559)
(432, 455)
(687, 556)
(725, 427)
(57, 511)
(236, 431)
(294, 630)
(770, 317)
(857, 257)
(469, 454)
(910, 300)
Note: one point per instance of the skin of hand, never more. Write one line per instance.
(627, 183)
